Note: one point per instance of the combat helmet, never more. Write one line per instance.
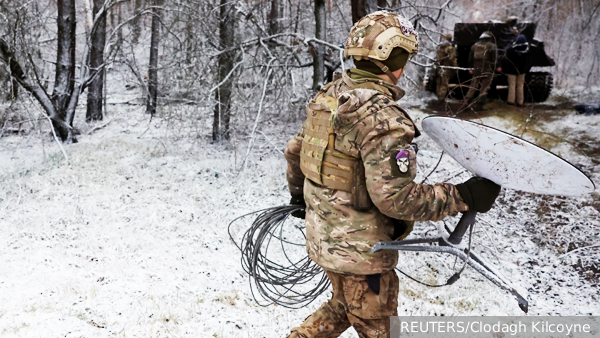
(375, 36)
(486, 35)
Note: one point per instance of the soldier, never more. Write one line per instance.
(509, 32)
(353, 166)
(445, 56)
(516, 63)
(512, 24)
(482, 58)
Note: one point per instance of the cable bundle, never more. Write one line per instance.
(289, 284)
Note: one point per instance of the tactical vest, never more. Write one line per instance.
(325, 166)
(483, 51)
(479, 52)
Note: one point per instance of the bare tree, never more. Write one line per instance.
(361, 8)
(225, 66)
(96, 88)
(10, 86)
(136, 24)
(153, 67)
(64, 81)
(61, 105)
(317, 48)
(275, 16)
(115, 20)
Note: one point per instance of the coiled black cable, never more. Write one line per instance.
(292, 284)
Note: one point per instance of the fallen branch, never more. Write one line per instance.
(578, 249)
(99, 127)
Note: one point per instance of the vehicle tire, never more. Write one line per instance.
(538, 86)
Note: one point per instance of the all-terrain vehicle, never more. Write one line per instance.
(537, 84)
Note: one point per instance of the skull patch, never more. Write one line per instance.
(402, 160)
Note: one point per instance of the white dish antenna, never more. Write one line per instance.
(505, 159)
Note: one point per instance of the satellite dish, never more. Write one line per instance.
(505, 159)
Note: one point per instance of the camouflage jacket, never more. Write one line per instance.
(369, 125)
(446, 55)
(483, 51)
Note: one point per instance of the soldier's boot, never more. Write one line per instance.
(371, 328)
(329, 321)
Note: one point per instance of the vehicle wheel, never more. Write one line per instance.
(538, 86)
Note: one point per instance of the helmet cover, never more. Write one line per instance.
(377, 34)
(486, 35)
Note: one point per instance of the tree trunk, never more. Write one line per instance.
(38, 92)
(61, 106)
(95, 90)
(317, 48)
(190, 40)
(120, 31)
(153, 68)
(225, 65)
(135, 24)
(361, 8)
(14, 89)
(64, 80)
(275, 16)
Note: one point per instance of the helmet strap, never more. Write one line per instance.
(386, 70)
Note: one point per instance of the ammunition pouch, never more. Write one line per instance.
(325, 166)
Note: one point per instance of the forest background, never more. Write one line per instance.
(226, 59)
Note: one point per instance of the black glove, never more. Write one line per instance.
(298, 200)
(479, 193)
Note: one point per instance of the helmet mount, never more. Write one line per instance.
(375, 36)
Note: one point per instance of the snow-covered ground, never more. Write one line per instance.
(128, 237)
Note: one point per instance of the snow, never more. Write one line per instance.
(129, 236)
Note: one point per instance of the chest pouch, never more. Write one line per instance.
(322, 164)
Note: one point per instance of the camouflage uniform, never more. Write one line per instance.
(369, 126)
(482, 58)
(445, 56)
(354, 304)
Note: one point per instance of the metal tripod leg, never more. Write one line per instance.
(449, 246)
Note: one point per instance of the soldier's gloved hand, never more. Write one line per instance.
(479, 193)
(298, 200)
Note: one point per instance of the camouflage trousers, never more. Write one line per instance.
(441, 81)
(353, 304)
(481, 81)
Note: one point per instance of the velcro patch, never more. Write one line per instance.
(400, 162)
